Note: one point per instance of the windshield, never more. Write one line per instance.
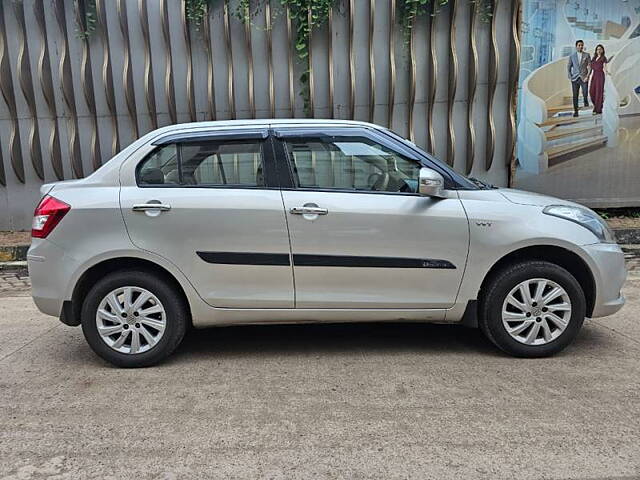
(468, 183)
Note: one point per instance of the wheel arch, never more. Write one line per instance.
(570, 261)
(71, 310)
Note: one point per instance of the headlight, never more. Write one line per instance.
(585, 217)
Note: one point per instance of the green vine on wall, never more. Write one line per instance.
(411, 10)
(87, 18)
(484, 9)
(304, 23)
(196, 10)
(408, 12)
(243, 12)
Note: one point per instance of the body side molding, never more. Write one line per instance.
(306, 260)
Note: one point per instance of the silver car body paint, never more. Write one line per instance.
(471, 229)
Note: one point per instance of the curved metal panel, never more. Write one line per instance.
(494, 62)
(127, 73)
(6, 88)
(189, 80)
(86, 80)
(3, 178)
(229, 53)
(372, 62)
(433, 75)
(412, 81)
(168, 68)
(249, 54)
(66, 81)
(310, 59)
(46, 84)
(513, 80)
(330, 61)
(149, 89)
(26, 85)
(471, 82)
(211, 89)
(292, 95)
(392, 63)
(107, 76)
(453, 81)
(352, 67)
(269, 28)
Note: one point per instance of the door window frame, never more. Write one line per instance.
(269, 163)
(285, 160)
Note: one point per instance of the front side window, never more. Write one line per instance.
(350, 163)
(206, 163)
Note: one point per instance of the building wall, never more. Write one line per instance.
(70, 103)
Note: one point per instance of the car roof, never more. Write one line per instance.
(270, 122)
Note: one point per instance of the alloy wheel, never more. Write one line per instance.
(131, 320)
(536, 311)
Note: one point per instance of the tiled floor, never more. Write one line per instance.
(632, 254)
(14, 282)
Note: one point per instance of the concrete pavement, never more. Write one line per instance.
(320, 401)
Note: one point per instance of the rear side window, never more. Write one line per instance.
(236, 163)
(160, 167)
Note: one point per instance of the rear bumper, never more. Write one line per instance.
(610, 273)
(50, 269)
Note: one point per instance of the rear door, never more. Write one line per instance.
(361, 236)
(211, 205)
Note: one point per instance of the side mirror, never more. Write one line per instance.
(431, 183)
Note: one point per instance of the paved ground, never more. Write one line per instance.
(348, 401)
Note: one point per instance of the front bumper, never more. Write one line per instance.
(610, 273)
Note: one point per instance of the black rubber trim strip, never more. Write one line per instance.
(301, 260)
(236, 258)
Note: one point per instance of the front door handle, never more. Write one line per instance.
(309, 211)
(145, 207)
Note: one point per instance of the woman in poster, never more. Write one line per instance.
(598, 69)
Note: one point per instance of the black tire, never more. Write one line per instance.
(177, 317)
(498, 287)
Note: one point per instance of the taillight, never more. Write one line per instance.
(48, 214)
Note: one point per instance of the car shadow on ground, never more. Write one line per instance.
(335, 339)
(276, 341)
(365, 338)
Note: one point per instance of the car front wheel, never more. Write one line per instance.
(532, 309)
(133, 318)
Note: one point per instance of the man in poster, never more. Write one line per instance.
(578, 70)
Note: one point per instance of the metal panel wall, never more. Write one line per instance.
(69, 103)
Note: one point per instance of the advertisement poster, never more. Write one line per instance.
(584, 54)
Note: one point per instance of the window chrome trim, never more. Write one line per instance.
(343, 190)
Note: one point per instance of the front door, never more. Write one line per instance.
(220, 218)
(361, 237)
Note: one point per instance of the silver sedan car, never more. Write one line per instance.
(286, 221)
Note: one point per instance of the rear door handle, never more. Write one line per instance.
(309, 211)
(145, 207)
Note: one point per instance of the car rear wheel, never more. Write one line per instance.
(532, 309)
(133, 318)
